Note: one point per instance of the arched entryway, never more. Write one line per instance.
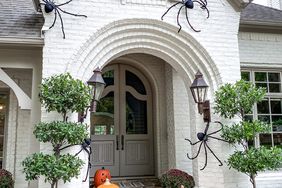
(122, 127)
(182, 55)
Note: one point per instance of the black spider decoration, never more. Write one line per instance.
(49, 6)
(86, 146)
(188, 4)
(203, 138)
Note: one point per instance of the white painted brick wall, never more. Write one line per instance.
(260, 50)
(218, 39)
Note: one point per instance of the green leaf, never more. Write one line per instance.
(64, 94)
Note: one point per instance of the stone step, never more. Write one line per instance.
(137, 183)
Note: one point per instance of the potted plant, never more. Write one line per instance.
(176, 178)
(63, 94)
(6, 179)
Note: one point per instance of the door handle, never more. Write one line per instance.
(122, 142)
(117, 142)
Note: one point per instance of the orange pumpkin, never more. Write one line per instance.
(107, 184)
(100, 176)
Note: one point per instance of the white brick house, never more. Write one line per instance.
(128, 39)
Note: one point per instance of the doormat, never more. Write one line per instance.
(131, 184)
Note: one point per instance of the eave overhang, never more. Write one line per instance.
(260, 27)
(238, 5)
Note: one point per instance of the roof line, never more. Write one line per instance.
(37, 42)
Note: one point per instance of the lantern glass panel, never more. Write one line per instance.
(199, 94)
(98, 90)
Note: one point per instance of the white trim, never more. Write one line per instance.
(39, 42)
(23, 99)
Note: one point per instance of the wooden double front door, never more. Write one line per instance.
(122, 127)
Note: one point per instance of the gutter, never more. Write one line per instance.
(16, 41)
(260, 27)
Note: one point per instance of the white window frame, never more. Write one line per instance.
(268, 96)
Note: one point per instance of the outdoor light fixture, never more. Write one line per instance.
(97, 83)
(199, 92)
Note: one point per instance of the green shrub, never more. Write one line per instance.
(6, 179)
(52, 167)
(175, 178)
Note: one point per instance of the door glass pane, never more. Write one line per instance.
(133, 81)
(109, 77)
(136, 115)
(102, 121)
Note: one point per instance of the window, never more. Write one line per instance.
(270, 109)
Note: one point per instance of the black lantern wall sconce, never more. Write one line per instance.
(97, 84)
(199, 92)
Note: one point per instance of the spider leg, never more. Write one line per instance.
(180, 27)
(192, 158)
(55, 19)
(206, 159)
(64, 3)
(215, 156)
(217, 138)
(71, 13)
(192, 144)
(69, 146)
(169, 9)
(203, 6)
(88, 167)
(218, 129)
(78, 152)
(62, 23)
(45, 1)
(189, 21)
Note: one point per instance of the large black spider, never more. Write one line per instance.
(203, 138)
(86, 146)
(49, 6)
(188, 4)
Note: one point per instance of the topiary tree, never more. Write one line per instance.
(238, 100)
(63, 94)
